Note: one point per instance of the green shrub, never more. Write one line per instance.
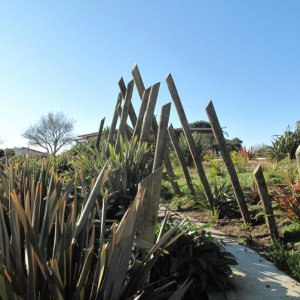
(285, 145)
(286, 259)
(224, 200)
(291, 232)
(9, 152)
(68, 228)
(50, 249)
(239, 161)
(217, 168)
(196, 255)
(202, 147)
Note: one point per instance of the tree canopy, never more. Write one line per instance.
(51, 132)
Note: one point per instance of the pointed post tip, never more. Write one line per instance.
(167, 104)
(156, 85)
(257, 169)
(134, 67)
(169, 77)
(210, 103)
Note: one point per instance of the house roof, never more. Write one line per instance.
(87, 135)
(196, 129)
(29, 149)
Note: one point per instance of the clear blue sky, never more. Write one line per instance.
(68, 56)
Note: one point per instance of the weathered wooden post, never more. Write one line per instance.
(127, 128)
(123, 90)
(218, 133)
(149, 113)
(114, 121)
(138, 80)
(161, 137)
(124, 115)
(100, 133)
(190, 140)
(139, 122)
(141, 88)
(152, 184)
(266, 203)
(181, 160)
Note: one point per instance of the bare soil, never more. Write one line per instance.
(256, 236)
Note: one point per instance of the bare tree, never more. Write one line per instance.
(51, 132)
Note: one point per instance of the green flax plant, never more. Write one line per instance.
(285, 145)
(196, 255)
(129, 166)
(52, 249)
(202, 147)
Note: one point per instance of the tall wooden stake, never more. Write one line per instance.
(100, 133)
(141, 88)
(114, 121)
(132, 114)
(124, 115)
(146, 231)
(149, 113)
(139, 122)
(218, 133)
(181, 160)
(190, 140)
(266, 203)
(161, 137)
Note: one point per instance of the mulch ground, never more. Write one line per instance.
(256, 236)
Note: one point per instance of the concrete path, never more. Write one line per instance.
(254, 277)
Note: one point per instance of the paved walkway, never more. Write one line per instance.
(255, 277)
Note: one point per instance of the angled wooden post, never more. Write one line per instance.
(218, 133)
(132, 114)
(141, 88)
(190, 140)
(181, 160)
(127, 128)
(148, 117)
(139, 122)
(124, 115)
(114, 121)
(161, 137)
(100, 133)
(266, 203)
(152, 184)
(138, 80)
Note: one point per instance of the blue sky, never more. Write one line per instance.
(69, 55)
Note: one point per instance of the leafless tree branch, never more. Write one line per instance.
(51, 132)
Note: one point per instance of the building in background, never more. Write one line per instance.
(202, 128)
(19, 151)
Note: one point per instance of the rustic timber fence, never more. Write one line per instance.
(145, 128)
